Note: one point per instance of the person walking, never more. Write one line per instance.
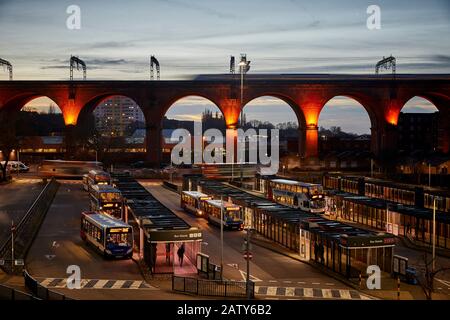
(180, 254)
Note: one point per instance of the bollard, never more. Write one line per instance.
(398, 288)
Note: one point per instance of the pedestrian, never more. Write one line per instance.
(180, 254)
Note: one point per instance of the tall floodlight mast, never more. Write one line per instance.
(386, 63)
(154, 63)
(8, 66)
(77, 62)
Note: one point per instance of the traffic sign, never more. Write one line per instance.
(248, 255)
(19, 262)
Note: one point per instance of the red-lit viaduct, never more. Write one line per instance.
(382, 96)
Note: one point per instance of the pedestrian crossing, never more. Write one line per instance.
(61, 283)
(313, 293)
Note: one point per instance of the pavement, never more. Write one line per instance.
(15, 199)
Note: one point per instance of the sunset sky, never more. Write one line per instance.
(198, 36)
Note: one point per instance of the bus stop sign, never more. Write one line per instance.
(248, 256)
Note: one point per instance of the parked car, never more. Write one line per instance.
(16, 166)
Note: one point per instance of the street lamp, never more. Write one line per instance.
(244, 66)
(434, 231)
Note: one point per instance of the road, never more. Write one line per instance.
(59, 245)
(271, 271)
(15, 199)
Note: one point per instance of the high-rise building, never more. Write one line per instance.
(115, 115)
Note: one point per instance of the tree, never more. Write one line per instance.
(426, 276)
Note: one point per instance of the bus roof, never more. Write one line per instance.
(104, 221)
(195, 194)
(104, 188)
(95, 172)
(293, 182)
(226, 204)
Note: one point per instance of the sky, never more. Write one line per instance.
(194, 37)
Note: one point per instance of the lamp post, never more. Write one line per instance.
(221, 237)
(434, 232)
(244, 66)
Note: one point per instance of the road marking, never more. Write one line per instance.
(301, 282)
(273, 281)
(329, 284)
(61, 284)
(271, 291)
(252, 277)
(287, 281)
(308, 292)
(47, 281)
(326, 293)
(135, 285)
(316, 283)
(118, 284)
(345, 294)
(290, 292)
(100, 284)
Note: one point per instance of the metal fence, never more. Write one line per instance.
(40, 291)
(8, 293)
(217, 288)
(28, 227)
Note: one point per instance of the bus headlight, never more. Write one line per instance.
(108, 251)
(200, 212)
(129, 250)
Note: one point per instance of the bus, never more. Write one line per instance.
(191, 201)
(106, 199)
(95, 177)
(232, 214)
(308, 197)
(66, 169)
(111, 237)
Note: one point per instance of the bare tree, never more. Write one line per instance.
(427, 276)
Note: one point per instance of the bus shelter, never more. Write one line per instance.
(165, 242)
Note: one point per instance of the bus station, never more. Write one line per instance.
(160, 235)
(339, 247)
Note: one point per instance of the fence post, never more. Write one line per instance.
(225, 293)
(197, 286)
(184, 284)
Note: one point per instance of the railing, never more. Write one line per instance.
(40, 291)
(217, 288)
(8, 293)
(28, 227)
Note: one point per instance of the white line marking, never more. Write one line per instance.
(271, 291)
(118, 284)
(326, 293)
(100, 284)
(329, 284)
(135, 284)
(61, 284)
(345, 294)
(308, 292)
(290, 292)
(47, 281)
(316, 283)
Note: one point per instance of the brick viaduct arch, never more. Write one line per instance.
(381, 96)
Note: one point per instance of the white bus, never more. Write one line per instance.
(232, 214)
(301, 195)
(191, 201)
